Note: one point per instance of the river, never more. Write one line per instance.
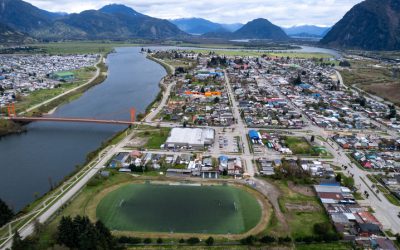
(51, 151)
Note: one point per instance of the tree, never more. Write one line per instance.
(322, 228)
(338, 178)
(147, 241)
(6, 214)
(344, 63)
(210, 241)
(348, 182)
(81, 233)
(106, 239)
(249, 240)
(362, 101)
(66, 233)
(159, 241)
(392, 112)
(267, 239)
(193, 241)
(297, 80)
(17, 243)
(181, 241)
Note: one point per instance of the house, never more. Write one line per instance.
(368, 229)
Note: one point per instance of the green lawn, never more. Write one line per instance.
(80, 47)
(39, 96)
(300, 221)
(298, 145)
(389, 196)
(241, 52)
(325, 246)
(180, 209)
(155, 138)
(78, 206)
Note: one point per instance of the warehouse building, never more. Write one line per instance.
(63, 76)
(190, 138)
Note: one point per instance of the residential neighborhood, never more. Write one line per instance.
(21, 75)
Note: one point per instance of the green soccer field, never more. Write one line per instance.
(179, 209)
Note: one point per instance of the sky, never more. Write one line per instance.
(281, 12)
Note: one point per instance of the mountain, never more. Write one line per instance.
(369, 25)
(221, 33)
(306, 30)
(10, 36)
(201, 26)
(260, 29)
(23, 16)
(232, 27)
(110, 22)
(196, 26)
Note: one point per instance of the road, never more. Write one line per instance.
(240, 126)
(100, 163)
(66, 92)
(162, 104)
(384, 210)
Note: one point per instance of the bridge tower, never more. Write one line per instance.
(11, 110)
(133, 115)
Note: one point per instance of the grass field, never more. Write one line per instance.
(180, 209)
(374, 79)
(39, 96)
(298, 145)
(155, 138)
(240, 52)
(325, 246)
(80, 47)
(301, 212)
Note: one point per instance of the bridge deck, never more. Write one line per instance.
(82, 120)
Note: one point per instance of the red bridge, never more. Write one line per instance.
(13, 116)
(56, 119)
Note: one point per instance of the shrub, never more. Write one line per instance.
(210, 241)
(249, 240)
(267, 239)
(193, 241)
(147, 241)
(159, 241)
(129, 240)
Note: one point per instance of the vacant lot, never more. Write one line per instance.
(154, 137)
(180, 209)
(375, 79)
(301, 212)
(298, 145)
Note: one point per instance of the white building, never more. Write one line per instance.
(190, 137)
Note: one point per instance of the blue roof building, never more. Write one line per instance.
(254, 135)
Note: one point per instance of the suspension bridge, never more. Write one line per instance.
(12, 115)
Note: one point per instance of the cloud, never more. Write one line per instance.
(280, 12)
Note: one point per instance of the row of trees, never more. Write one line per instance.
(267, 239)
(6, 213)
(135, 240)
(81, 233)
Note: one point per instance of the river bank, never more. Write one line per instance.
(60, 149)
(90, 157)
(8, 127)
